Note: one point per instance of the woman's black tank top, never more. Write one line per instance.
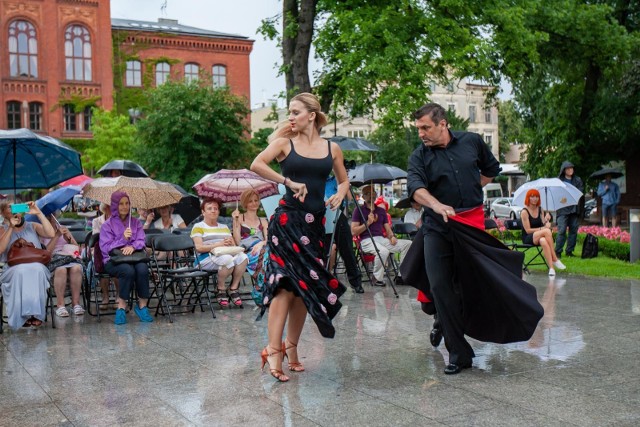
(312, 172)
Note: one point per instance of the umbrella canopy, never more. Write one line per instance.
(143, 193)
(77, 181)
(554, 193)
(354, 144)
(228, 185)
(29, 160)
(602, 173)
(125, 167)
(403, 203)
(56, 199)
(189, 205)
(374, 173)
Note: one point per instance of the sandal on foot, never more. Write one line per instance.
(234, 295)
(62, 312)
(78, 310)
(27, 324)
(275, 373)
(294, 366)
(222, 301)
(35, 322)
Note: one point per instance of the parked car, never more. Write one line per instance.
(589, 205)
(503, 207)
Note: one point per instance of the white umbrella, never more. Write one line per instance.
(554, 193)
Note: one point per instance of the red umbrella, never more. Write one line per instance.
(228, 185)
(78, 181)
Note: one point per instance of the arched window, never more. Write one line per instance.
(219, 76)
(134, 73)
(23, 50)
(191, 72)
(35, 115)
(162, 73)
(77, 52)
(13, 115)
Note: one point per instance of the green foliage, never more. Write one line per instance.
(113, 138)
(510, 126)
(396, 145)
(190, 130)
(260, 139)
(611, 248)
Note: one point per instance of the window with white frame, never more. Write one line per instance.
(359, 133)
(451, 107)
(472, 113)
(13, 115)
(488, 139)
(163, 71)
(191, 72)
(487, 115)
(35, 115)
(219, 76)
(23, 49)
(133, 75)
(77, 52)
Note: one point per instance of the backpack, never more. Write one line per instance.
(590, 246)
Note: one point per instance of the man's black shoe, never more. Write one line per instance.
(453, 369)
(559, 255)
(435, 337)
(358, 289)
(570, 254)
(379, 283)
(399, 281)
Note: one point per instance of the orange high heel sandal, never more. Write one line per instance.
(275, 373)
(293, 366)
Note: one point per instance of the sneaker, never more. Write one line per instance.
(143, 313)
(559, 265)
(552, 272)
(570, 254)
(121, 317)
(379, 283)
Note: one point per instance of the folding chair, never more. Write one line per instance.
(181, 285)
(366, 260)
(538, 257)
(93, 279)
(405, 229)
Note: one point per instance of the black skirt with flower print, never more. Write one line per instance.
(296, 239)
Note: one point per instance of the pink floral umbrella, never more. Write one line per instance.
(229, 184)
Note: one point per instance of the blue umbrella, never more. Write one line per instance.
(57, 199)
(29, 160)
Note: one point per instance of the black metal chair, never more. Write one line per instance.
(406, 229)
(94, 277)
(538, 257)
(181, 286)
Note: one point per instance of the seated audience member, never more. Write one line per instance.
(24, 286)
(96, 224)
(377, 221)
(250, 231)
(536, 230)
(414, 214)
(168, 220)
(65, 266)
(210, 234)
(121, 231)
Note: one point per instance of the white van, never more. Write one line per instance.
(491, 192)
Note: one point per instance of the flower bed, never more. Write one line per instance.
(612, 242)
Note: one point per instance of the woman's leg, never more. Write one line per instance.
(59, 285)
(297, 317)
(142, 283)
(126, 275)
(278, 312)
(75, 282)
(238, 272)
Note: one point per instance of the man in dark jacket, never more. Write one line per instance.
(568, 217)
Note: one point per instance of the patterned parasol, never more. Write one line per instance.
(228, 185)
(143, 193)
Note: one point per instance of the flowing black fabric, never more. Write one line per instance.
(498, 306)
(296, 239)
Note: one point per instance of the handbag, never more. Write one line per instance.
(58, 260)
(227, 250)
(117, 257)
(24, 252)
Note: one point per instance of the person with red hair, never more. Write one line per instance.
(536, 230)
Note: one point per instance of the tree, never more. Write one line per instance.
(191, 129)
(510, 126)
(113, 138)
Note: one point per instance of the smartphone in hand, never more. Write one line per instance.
(18, 208)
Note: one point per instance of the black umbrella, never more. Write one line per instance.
(188, 207)
(125, 167)
(602, 173)
(354, 144)
(374, 173)
(403, 203)
(29, 160)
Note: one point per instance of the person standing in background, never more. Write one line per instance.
(568, 217)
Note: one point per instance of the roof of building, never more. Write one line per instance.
(169, 26)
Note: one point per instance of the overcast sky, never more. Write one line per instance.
(240, 17)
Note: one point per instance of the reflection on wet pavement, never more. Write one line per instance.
(580, 367)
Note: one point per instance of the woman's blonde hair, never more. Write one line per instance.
(311, 103)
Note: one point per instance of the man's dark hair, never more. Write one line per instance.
(435, 111)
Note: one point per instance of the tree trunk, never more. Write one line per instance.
(297, 34)
(583, 127)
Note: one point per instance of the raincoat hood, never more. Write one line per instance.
(563, 167)
(115, 201)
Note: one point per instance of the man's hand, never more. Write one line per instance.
(444, 210)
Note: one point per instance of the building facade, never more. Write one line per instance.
(56, 64)
(60, 58)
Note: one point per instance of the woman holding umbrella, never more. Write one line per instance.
(296, 279)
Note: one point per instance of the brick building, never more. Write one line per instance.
(62, 57)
